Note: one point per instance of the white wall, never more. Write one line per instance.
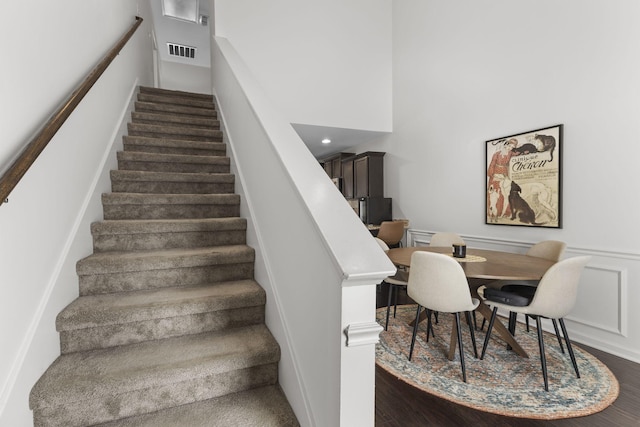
(322, 63)
(189, 78)
(45, 225)
(466, 72)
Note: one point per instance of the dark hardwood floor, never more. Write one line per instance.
(401, 405)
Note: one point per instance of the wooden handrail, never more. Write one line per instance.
(32, 150)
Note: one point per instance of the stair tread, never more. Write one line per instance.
(259, 407)
(110, 309)
(137, 226)
(159, 259)
(141, 156)
(152, 176)
(92, 375)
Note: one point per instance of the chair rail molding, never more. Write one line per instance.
(602, 315)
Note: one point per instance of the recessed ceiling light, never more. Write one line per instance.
(326, 141)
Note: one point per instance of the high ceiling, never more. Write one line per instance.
(187, 23)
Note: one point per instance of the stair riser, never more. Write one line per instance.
(175, 150)
(168, 146)
(135, 332)
(173, 120)
(90, 412)
(170, 211)
(171, 132)
(93, 284)
(186, 111)
(151, 241)
(172, 100)
(176, 93)
(171, 187)
(174, 167)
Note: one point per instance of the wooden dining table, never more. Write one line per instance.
(482, 266)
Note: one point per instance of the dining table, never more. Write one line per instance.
(483, 266)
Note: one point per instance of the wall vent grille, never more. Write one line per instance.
(181, 50)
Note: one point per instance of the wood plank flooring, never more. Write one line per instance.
(399, 404)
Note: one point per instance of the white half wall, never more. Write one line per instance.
(45, 225)
(466, 72)
(325, 63)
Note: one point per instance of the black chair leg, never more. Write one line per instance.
(415, 330)
(429, 325)
(395, 300)
(512, 325)
(486, 338)
(391, 288)
(460, 349)
(526, 318)
(568, 341)
(555, 327)
(543, 358)
(473, 334)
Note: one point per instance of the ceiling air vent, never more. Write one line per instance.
(181, 50)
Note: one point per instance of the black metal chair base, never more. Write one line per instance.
(458, 333)
(543, 358)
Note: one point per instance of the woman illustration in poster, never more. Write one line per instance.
(498, 177)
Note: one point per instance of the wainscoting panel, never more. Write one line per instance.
(604, 316)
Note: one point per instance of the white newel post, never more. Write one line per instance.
(357, 370)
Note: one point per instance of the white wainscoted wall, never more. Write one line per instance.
(604, 313)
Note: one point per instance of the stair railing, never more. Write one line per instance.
(34, 147)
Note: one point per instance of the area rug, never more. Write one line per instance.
(503, 383)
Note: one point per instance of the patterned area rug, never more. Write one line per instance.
(503, 383)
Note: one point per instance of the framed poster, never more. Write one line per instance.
(524, 179)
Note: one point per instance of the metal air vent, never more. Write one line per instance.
(181, 50)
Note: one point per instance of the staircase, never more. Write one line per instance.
(169, 326)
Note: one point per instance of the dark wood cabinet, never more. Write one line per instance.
(347, 179)
(333, 164)
(368, 175)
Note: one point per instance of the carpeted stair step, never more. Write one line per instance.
(110, 272)
(158, 162)
(173, 119)
(140, 235)
(108, 320)
(174, 131)
(174, 146)
(87, 388)
(128, 181)
(176, 93)
(175, 100)
(153, 107)
(259, 407)
(169, 206)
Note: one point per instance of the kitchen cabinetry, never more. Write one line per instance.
(332, 165)
(368, 175)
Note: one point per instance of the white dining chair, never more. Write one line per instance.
(441, 239)
(437, 282)
(554, 298)
(396, 282)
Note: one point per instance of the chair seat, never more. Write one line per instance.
(506, 297)
(399, 279)
(526, 291)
